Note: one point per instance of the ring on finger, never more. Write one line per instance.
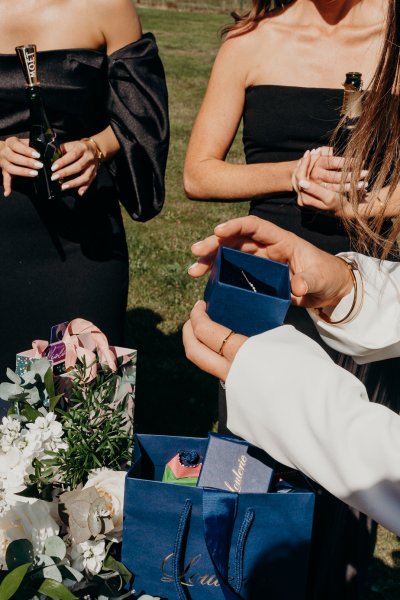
(221, 349)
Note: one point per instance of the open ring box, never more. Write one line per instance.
(247, 293)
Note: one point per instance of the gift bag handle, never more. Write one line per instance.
(219, 511)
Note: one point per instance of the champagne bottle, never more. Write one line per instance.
(351, 110)
(41, 136)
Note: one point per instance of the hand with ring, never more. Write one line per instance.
(210, 346)
(317, 180)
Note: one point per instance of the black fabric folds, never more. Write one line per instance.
(138, 113)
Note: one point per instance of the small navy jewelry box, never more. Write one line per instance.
(247, 293)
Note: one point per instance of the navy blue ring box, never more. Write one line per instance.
(230, 296)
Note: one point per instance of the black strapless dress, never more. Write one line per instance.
(279, 124)
(69, 258)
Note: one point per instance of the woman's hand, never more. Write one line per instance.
(317, 279)
(17, 158)
(204, 343)
(80, 158)
(317, 180)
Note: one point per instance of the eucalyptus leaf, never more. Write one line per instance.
(10, 390)
(110, 564)
(69, 573)
(13, 377)
(55, 547)
(12, 581)
(19, 552)
(56, 590)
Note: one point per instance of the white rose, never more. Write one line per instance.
(31, 519)
(110, 485)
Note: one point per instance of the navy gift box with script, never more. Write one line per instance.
(247, 293)
(193, 543)
(235, 465)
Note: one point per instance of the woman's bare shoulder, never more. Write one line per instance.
(118, 21)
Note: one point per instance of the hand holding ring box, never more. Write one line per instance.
(247, 293)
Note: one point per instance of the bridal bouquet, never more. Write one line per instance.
(64, 445)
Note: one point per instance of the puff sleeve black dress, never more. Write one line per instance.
(68, 258)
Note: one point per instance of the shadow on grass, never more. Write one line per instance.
(383, 580)
(172, 396)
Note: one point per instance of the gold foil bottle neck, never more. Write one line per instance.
(27, 58)
(352, 105)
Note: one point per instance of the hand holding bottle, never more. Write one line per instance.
(17, 158)
(80, 163)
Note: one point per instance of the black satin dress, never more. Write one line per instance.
(68, 258)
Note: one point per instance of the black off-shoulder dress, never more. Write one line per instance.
(68, 258)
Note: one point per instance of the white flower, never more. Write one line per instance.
(13, 469)
(27, 518)
(48, 431)
(88, 555)
(147, 597)
(110, 485)
(9, 432)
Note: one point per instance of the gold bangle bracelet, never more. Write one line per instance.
(97, 149)
(352, 266)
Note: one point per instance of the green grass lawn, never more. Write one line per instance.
(173, 396)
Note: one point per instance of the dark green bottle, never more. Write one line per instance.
(351, 110)
(41, 136)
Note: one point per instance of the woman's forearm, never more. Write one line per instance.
(215, 179)
(107, 142)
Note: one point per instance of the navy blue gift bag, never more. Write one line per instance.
(185, 543)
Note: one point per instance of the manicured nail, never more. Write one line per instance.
(361, 185)
(54, 167)
(64, 186)
(218, 227)
(35, 154)
(38, 165)
(364, 173)
(306, 153)
(193, 265)
(313, 151)
(196, 303)
(304, 183)
(55, 176)
(33, 173)
(81, 191)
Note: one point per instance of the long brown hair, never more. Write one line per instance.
(249, 20)
(375, 143)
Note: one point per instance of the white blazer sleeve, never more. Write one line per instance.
(285, 395)
(375, 333)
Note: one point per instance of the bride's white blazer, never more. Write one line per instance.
(287, 396)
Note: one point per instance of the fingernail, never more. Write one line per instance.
(55, 176)
(80, 192)
(306, 153)
(313, 151)
(218, 227)
(35, 154)
(54, 167)
(38, 165)
(64, 186)
(33, 173)
(361, 185)
(196, 303)
(364, 173)
(303, 183)
(193, 265)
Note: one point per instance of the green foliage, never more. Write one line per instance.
(97, 432)
(12, 581)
